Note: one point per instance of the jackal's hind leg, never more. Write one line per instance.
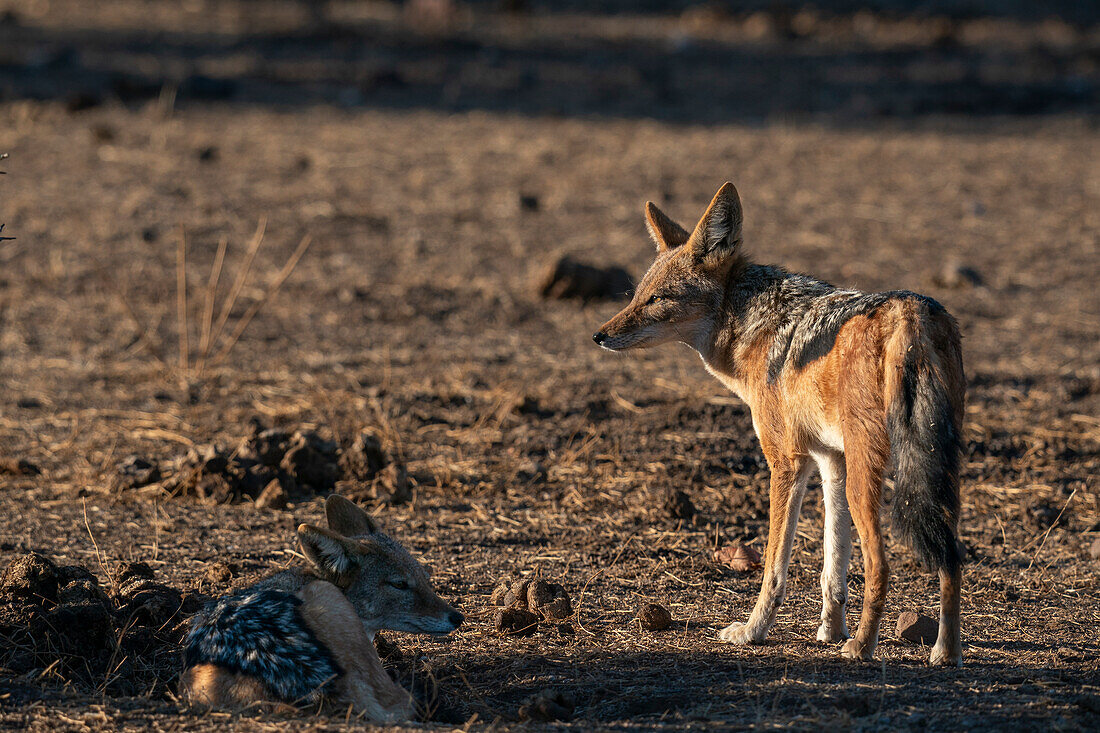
(837, 551)
(864, 489)
(788, 486)
(948, 649)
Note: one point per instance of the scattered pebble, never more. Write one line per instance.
(741, 558)
(654, 617)
(1094, 551)
(569, 278)
(917, 628)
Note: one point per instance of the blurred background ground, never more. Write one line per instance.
(441, 157)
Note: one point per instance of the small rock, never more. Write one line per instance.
(957, 275)
(549, 599)
(1095, 549)
(677, 505)
(272, 497)
(741, 558)
(515, 621)
(218, 573)
(135, 472)
(654, 617)
(548, 705)
(917, 628)
(569, 278)
(18, 467)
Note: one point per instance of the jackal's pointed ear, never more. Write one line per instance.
(335, 558)
(666, 233)
(347, 518)
(718, 233)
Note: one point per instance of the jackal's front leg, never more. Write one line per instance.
(788, 486)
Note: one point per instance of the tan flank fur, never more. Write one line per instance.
(359, 581)
(843, 380)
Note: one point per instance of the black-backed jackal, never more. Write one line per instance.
(837, 378)
(307, 635)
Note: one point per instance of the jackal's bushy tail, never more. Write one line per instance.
(924, 427)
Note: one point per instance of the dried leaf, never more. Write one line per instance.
(740, 558)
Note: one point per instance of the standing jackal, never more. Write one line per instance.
(837, 378)
(306, 635)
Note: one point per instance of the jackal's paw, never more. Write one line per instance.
(738, 633)
(943, 657)
(832, 633)
(854, 649)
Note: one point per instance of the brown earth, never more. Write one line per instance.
(416, 314)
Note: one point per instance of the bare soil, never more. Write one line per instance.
(417, 314)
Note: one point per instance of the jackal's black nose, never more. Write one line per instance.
(599, 337)
(456, 618)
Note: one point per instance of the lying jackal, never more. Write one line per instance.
(837, 378)
(304, 635)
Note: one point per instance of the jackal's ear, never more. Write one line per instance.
(347, 518)
(718, 233)
(666, 233)
(335, 558)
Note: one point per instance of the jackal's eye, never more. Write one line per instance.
(398, 583)
(653, 299)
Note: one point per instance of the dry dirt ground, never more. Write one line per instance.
(415, 313)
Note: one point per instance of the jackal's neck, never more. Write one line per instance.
(750, 310)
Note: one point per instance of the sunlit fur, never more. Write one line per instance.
(838, 379)
(305, 635)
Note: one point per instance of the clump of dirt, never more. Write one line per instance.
(570, 278)
(547, 706)
(371, 473)
(134, 472)
(274, 467)
(60, 619)
(515, 621)
(18, 467)
(301, 464)
(547, 601)
(654, 617)
(676, 504)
